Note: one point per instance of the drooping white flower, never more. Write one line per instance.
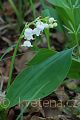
(40, 25)
(46, 25)
(27, 44)
(51, 20)
(36, 31)
(28, 34)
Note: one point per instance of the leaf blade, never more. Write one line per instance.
(35, 76)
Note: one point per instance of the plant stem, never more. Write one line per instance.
(76, 38)
(13, 59)
(14, 54)
(48, 38)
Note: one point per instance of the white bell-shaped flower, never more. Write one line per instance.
(27, 44)
(28, 34)
(46, 25)
(51, 20)
(36, 31)
(40, 25)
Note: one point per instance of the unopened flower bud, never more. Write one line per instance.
(51, 25)
(55, 24)
(51, 20)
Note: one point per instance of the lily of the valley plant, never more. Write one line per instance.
(40, 24)
(46, 71)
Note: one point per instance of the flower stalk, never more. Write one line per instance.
(13, 59)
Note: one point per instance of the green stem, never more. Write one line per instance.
(48, 38)
(15, 52)
(35, 42)
(49, 47)
(14, 55)
(13, 59)
(76, 38)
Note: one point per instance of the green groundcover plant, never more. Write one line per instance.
(48, 68)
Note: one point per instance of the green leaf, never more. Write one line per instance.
(74, 72)
(41, 56)
(69, 12)
(58, 3)
(63, 9)
(52, 71)
(64, 3)
(49, 11)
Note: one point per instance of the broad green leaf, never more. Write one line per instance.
(44, 54)
(43, 4)
(1, 107)
(59, 3)
(53, 13)
(52, 71)
(41, 56)
(74, 72)
(65, 3)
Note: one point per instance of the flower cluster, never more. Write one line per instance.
(40, 25)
